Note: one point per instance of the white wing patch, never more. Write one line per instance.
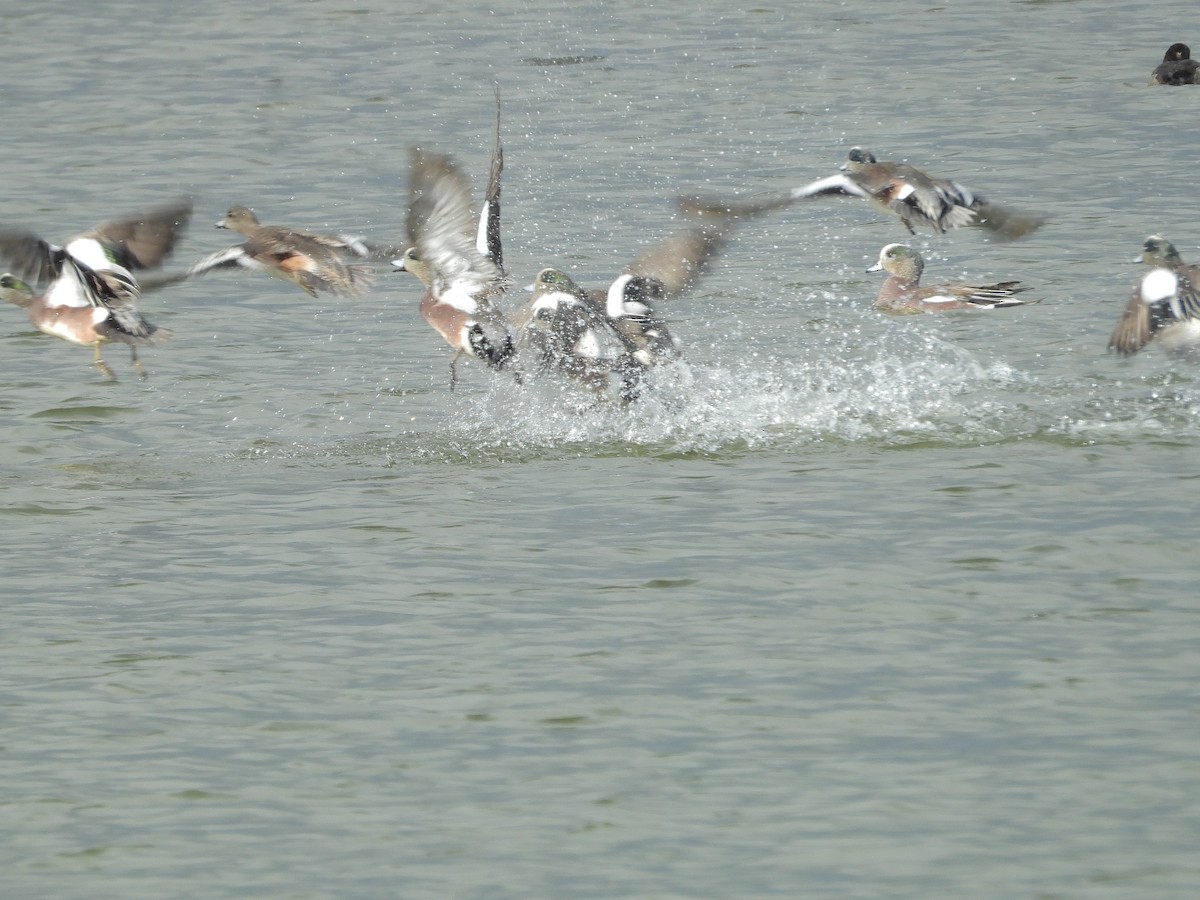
(68, 290)
(230, 256)
(615, 302)
(834, 184)
(551, 300)
(1159, 284)
(91, 253)
(355, 244)
(461, 295)
(589, 345)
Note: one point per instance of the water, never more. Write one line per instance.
(854, 606)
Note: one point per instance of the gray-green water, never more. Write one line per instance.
(858, 607)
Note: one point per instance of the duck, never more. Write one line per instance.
(918, 198)
(902, 293)
(461, 281)
(1177, 67)
(1159, 253)
(1164, 304)
(113, 250)
(630, 307)
(88, 291)
(80, 307)
(666, 271)
(563, 330)
(314, 262)
(1156, 307)
(458, 258)
(487, 236)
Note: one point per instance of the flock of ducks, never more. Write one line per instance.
(608, 339)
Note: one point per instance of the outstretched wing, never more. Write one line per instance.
(679, 261)
(487, 239)
(1161, 297)
(32, 259)
(139, 241)
(441, 225)
(834, 184)
(145, 238)
(1136, 327)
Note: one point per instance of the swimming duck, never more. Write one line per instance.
(1177, 67)
(902, 293)
(918, 198)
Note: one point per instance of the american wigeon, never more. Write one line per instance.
(459, 259)
(1177, 67)
(79, 306)
(630, 307)
(461, 281)
(1164, 304)
(594, 335)
(88, 289)
(1159, 253)
(487, 235)
(563, 330)
(901, 292)
(312, 261)
(113, 250)
(918, 198)
(666, 271)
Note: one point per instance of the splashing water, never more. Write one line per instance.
(906, 387)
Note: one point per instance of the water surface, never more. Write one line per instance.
(854, 606)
